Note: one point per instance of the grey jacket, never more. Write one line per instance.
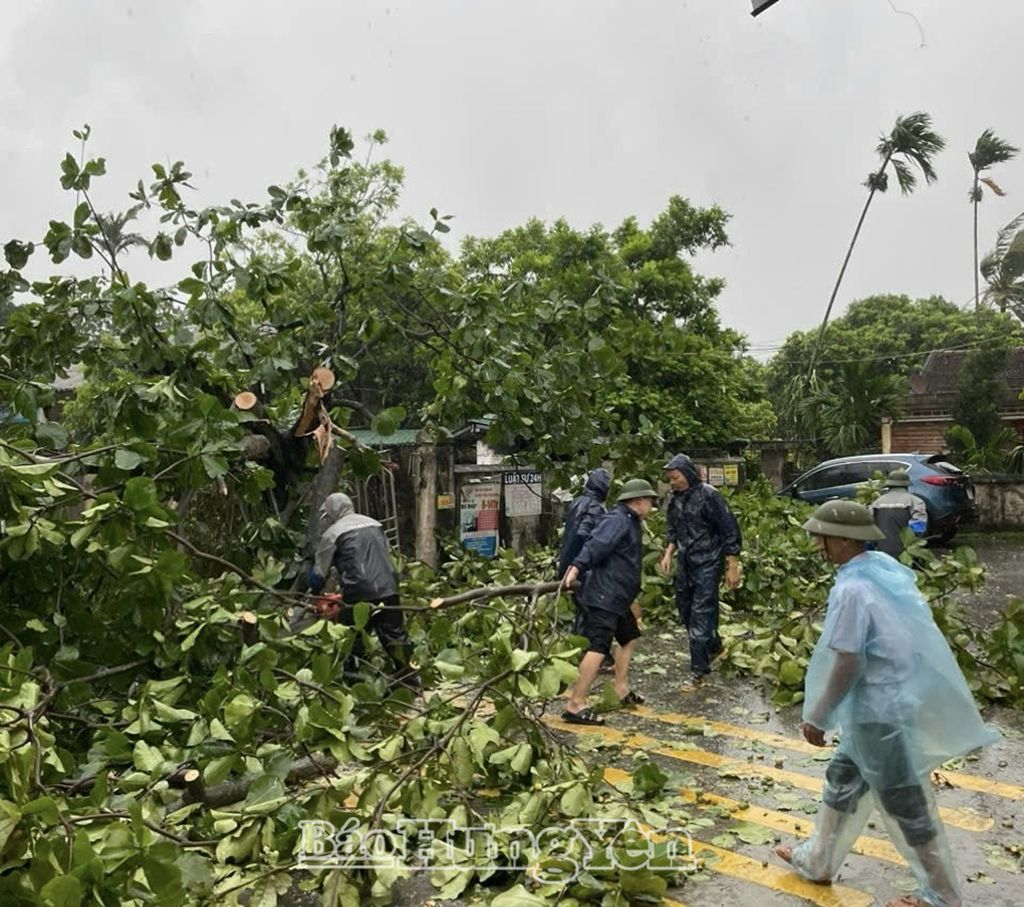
(893, 512)
(358, 549)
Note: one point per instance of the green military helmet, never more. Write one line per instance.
(844, 520)
(636, 488)
(898, 478)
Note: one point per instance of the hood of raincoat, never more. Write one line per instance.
(686, 466)
(598, 483)
(340, 513)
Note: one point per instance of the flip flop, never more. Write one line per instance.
(584, 716)
(632, 698)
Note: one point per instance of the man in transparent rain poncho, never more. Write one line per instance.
(884, 676)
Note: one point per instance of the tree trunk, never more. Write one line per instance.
(426, 504)
(325, 483)
(487, 592)
(977, 287)
(232, 791)
(842, 273)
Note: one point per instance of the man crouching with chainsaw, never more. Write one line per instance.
(355, 545)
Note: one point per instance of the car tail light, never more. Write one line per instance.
(940, 480)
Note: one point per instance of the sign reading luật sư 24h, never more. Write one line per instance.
(523, 493)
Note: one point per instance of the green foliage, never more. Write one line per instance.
(1003, 269)
(139, 543)
(879, 341)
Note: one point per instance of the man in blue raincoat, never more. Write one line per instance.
(583, 515)
(703, 530)
(883, 675)
(611, 565)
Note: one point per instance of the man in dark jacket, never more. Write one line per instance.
(611, 563)
(583, 515)
(897, 510)
(355, 545)
(703, 530)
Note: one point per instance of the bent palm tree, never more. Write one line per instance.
(911, 145)
(989, 150)
(1003, 269)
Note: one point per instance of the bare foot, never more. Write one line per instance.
(785, 852)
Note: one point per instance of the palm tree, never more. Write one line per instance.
(989, 150)
(911, 144)
(1003, 269)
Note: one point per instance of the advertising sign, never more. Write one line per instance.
(523, 494)
(479, 505)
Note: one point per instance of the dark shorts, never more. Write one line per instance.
(601, 627)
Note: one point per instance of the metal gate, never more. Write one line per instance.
(376, 497)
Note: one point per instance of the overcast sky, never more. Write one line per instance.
(591, 109)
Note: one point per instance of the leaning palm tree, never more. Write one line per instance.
(1003, 269)
(911, 145)
(988, 151)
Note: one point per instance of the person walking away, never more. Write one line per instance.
(883, 675)
(355, 545)
(897, 510)
(611, 564)
(704, 532)
(580, 519)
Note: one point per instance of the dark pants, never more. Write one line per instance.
(388, 623)
(904, 801)
(697, 604)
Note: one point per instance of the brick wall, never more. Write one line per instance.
(927, 437)
(930, 437)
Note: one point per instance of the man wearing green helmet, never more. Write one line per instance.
(611, 564)
(897, 510)
(882, 675)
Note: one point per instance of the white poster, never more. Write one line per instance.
(523, 494)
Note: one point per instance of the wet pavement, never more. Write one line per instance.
(737, 763)
(741, 763)
(1003, 557)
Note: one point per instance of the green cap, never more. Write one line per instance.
(844, 520)
(636, 488)
(898, 478)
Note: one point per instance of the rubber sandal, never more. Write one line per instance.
(584, 716)
(632, 698)
(692, 684)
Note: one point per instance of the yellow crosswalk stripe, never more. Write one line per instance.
(958, 818)
(957, 779)
(784, 880)
(776, 878)
(778, 821)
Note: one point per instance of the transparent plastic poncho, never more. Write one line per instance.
(883, 675)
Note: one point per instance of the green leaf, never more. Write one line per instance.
(140, 494)
(388, 421)
(17, 253)
(518, 897)
(62, 891)
(648, 778)
(10, 816)
(749, 833)
(265, 788)
(214, 466)
(127, 460)
(52, 435)
(147, 758)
